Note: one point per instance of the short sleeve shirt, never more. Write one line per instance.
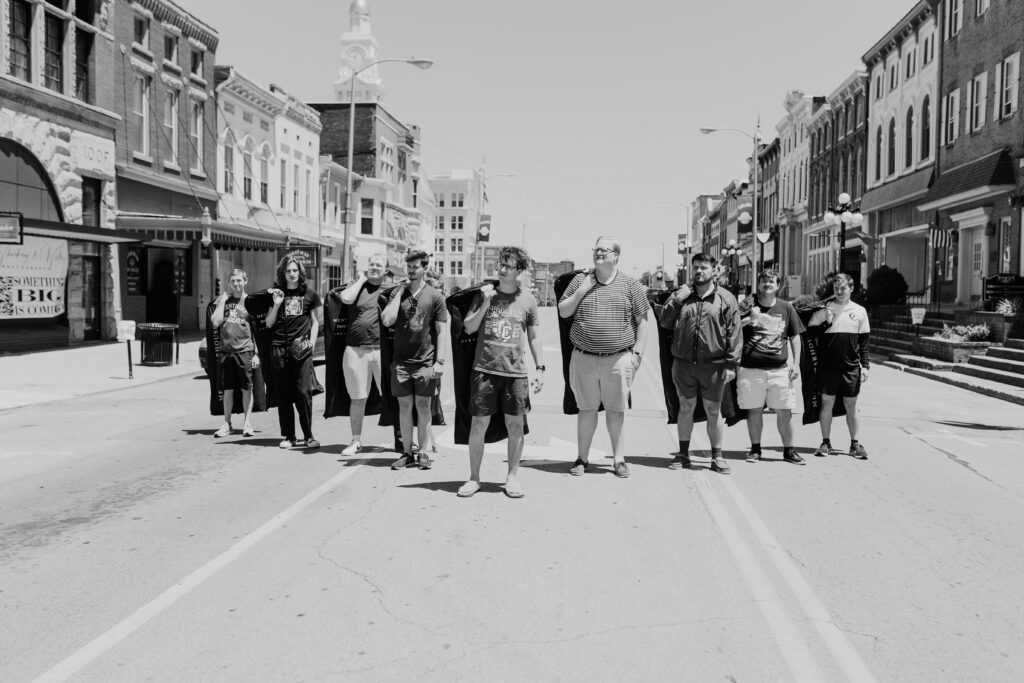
(840, 344)
(235, 333)
(414, 327)
(501, 344)
(766, 333)
(605, 321)
(293, 316)
(364, 318)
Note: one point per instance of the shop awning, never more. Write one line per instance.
(86, 233)
(899, 191)
(225, 235)
(988, 176)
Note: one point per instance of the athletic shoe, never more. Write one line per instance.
(794, 458)
(859, 452)
(720, 464)
(680, 462)
(423, 461)
(287, 443)
(402, 463)
(247, 430)
(754, 455)
(469, 488)
(352, 448)
(312, 443)
(224, 430)
(824, 449)
(578, 467)
(621, 469)
(513, 489)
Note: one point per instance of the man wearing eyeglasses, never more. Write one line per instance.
(506, 318)
(843, 361)
(609, 309)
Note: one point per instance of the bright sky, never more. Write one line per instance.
(595, 107)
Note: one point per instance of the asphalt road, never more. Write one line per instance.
(134, 546)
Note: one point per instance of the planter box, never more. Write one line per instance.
(1001, 326)
(949, 351)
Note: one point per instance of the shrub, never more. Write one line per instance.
(824, 289)
(886, 286)
(964, 333)
(1010, 307)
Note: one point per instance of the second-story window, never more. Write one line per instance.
(170, 132)
(366, 223)
(457, 222)
(196, 65)
(438, 244)
(140, 114)
(53, 53)
(195, 133)
(951, 119)
(83, 65)
(296, 179)
(264, 178)
(171, 48)
(229, 166)
(1007, 73)
(977, 99)
(247, 173)
(926, 128)
(141, 33)
(20, 39)
(908, 140)
(283, 195)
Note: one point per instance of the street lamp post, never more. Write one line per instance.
(732, 251)
(346, 248)
(843, 214)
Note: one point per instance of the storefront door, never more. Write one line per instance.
(91, 301)
(976, 257)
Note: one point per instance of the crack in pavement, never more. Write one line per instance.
(953, 457)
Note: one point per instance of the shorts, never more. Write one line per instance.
(597, 380)
(237, 370)
(699, 379)
(757, 386)
(409, 380)
(489, 391)
(839, 383)
(360, 366)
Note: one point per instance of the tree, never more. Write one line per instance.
(886, 286)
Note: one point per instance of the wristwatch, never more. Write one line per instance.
(542, 368)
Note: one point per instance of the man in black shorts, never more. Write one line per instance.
(237, 350)
(844, 332)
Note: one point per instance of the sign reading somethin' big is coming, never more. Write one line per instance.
(32, 277)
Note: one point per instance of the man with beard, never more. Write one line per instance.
(361, 360)
(706, 346)
(237, 350)
(418, 315)
(844, 333)
(609, 309)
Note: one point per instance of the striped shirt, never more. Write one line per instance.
(605, 321)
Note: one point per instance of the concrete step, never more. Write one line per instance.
(1007, 378)
(922, 362)
(1014, 343)
(1005, 352)
(996, 363)
(896, 345)
(923, 331)
(978, 385)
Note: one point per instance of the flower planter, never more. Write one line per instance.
(949, 351)
(1000, 326)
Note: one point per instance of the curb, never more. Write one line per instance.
(955, 381)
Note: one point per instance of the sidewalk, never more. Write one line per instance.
(47, 376)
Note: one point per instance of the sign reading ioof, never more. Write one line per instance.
(32, 277)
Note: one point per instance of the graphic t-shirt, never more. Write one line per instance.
(363, 318)
(414, 327)
(235, 334)
(293, 316)
(766, 333)
(501, 345)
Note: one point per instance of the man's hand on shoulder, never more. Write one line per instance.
(488, 291)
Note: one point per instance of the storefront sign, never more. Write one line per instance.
(92, 156)
(10, 227)
(1003, 286)
(304, 255)
(32, 277)
(133, 268)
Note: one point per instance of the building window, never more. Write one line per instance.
(247, 172)
(460, 200)
(908, 140)
(195, 133)
(438, 244)
(296, 179)
(196, 68)
(440, 200)
(366, 222)
(20, 39)
(264, 178)
(171, 48)
(92, 201)
(878, 86)
(83, 71)
(456, 268)
(140, 114)
(952, 116)
(894, 75)
(878, 154)
(891, 167)
(928, 51)
(141, 35)
(457, 245)
(283, 197)
(1006, 81)
(977, 97)
(926, 128)
(171, 126)
(229, 166)
(954, 18)
(980, 6)
(439, 223)
(457, 222)
(911, 61)
(309, 193)
(53, 53)
(440, 267)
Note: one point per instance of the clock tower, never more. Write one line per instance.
(358, 47)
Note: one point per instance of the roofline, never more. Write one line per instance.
(917, 14)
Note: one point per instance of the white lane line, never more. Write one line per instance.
(845, 654)
(105, 642)
(787, 635)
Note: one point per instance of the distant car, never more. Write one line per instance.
(318, 351)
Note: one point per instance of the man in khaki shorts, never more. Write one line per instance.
(609, 309)
(770, 365)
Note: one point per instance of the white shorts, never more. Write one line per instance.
(755, 386)
(358, 363)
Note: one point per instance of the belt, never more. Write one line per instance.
(609, 353)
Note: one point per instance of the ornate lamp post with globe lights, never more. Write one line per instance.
(842, 214)
(732, 251)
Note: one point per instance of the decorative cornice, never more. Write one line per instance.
(168, 12)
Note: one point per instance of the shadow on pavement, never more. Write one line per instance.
(451, 486)
(978, 425)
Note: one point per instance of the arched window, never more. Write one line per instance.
(229, 164)
(891, 168)
(926, 128)
(265, 174)
(247, 170)
(26, 183)
(878, 154)
(908, 139)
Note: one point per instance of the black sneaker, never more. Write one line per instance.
(578, 467)
(403, 462)
(859, 452)
(680, 462)
(794, 458)
(824, 449)
(754, 455)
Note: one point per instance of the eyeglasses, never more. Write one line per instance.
(600, 250)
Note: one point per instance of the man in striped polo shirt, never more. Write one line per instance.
(609, 309)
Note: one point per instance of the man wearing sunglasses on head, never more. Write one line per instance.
(609, 309)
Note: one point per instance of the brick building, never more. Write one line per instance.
(767, 241)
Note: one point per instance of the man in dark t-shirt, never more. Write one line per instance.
(361, 362)
(237, 350)
(770, 364)
(418, 315)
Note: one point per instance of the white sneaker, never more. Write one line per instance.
(286, 443)
(513, 489)
(352, 448)
(469, 488)
(247, 430)
(225, 430)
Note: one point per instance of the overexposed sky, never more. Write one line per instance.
(595, 106)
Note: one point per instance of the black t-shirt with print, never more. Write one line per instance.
(294, 317)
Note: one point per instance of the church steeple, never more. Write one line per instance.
(358, 47)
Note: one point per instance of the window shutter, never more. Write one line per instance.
(1013, 76)
(955, 104)
(983, 94)
(997, 110)
(944, 122)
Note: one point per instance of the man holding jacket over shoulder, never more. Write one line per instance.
(707, 343)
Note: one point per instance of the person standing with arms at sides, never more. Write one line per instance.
(361, 362)
(842, 326)
(237, 350)
(418, 315)
(294, 319)
(770, 364)
(506, 318)
(706, 348)
(609, 309)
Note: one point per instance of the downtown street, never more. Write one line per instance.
(134, 546)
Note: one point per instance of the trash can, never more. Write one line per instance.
(157, 340)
